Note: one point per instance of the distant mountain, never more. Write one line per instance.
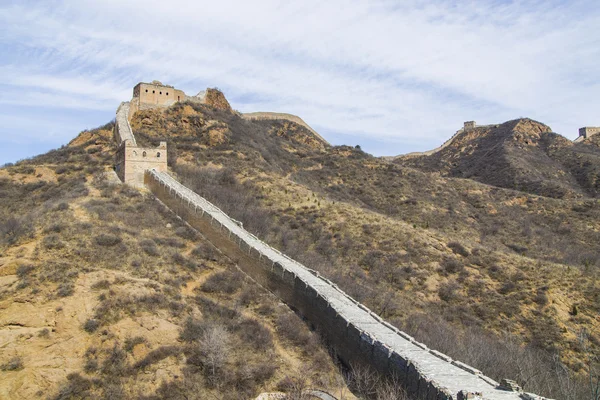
(521, 154)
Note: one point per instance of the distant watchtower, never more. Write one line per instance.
(588, 131)
(153, 95)
(469, 125)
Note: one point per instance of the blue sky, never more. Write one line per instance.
(392, 76)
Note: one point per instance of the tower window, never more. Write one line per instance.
(167, 93)
(159, 92)
(154, 91)
(158, 155)
(146, 90)
(144, 154)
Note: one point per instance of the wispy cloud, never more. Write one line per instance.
(406, 73)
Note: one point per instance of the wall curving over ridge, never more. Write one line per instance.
(283, 116)
(123, 130)
(356, 334)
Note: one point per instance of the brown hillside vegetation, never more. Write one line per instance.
(105, 294)
(492, 276)
(523, 155)
(504, 280)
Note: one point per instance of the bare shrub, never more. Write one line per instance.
(186, 233)
(115, 362)
(149, 247)
(458, 248)
(452, 266)
(253, 332)
(448, 291)
(131, 342)
(12, 229)
(24, 270)
(107, 240)
(53, 241)
(101, 285)
(91, 325)
(223, 282)
(14, 364)
(65, 289)
(77, 387)
(293, 329)
(212, 350)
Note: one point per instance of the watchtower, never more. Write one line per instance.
(153, 95)
(588, 131)
(131, 161)
(468, 125)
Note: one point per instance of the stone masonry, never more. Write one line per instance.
(132, 161)
(154, 95)
(468, 125)
(588, 131)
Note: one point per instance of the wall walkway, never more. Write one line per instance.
(355, 333)
(122, 128)
(284, 116)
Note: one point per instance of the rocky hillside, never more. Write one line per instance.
(524, 155)
(464, 266)
(105, 294)
(492, 276)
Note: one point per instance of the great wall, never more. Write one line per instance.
(356, 335)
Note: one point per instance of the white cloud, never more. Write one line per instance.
(372, 69)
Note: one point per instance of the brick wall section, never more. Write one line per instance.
(281, 116)
(588, 131)
(131, 162)
(355, 334)
(122, 130)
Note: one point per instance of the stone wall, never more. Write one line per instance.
(122, 130)
(355, 334)
(132, 161)
(157, 94)
(283, 116)
(588, 131)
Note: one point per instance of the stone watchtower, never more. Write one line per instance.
(132, 161)
(154, 95)
(588, 131)
(468, 125)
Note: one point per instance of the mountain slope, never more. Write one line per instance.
(491, 276)
(522, 154)
(424, 251)
(105, 294)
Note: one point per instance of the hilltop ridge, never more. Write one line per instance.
(521, 154)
